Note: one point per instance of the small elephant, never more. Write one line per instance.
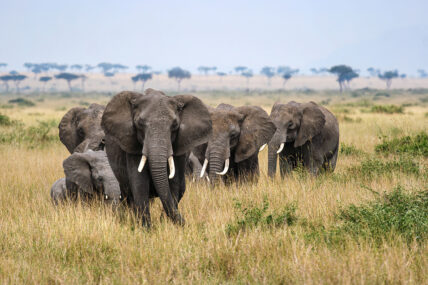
(80, 129)
(232, 150)
(307, 134)
(148, 138)
(89, 175)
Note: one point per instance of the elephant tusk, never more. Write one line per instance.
(142, 163)
(281, 147)
(204, 167)
(171, 167)
(226, 168)
(208, 179)
(262, 147)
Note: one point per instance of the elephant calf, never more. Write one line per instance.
(232, 149)
(305, 133)
(89, 175)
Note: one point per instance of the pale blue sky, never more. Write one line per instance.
(303, 34)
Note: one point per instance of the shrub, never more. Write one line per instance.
(414, 145)
(252, 216)
(349, 149)
(44, 132)
(375, 167)
(22, 102)
(387, 109)
(5, 120)
(399, 213)
(382, 94)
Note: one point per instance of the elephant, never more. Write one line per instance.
(232, 149)
(89, 175)
(80, 129)
(148, 138)
(307, 134)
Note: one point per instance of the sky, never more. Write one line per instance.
(385, 34)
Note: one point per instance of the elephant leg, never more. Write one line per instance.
(330, 163)
(285, 164)
(312, 160)
(248, 170)
(177, 184)
(140, 188)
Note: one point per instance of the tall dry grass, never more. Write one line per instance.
(77, 243)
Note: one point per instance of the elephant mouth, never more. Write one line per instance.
(170, 164)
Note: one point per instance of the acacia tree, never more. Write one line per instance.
(105, 66)
(422, 73)
(6, 78)
(179, 74)
(143, 77)
(221, 75)
(269, 72)
(76, 66)
(143, 68)
(83, 78)
(344, 75)
(240, 69)
(17, 78)
(373, 71)
(68, 77)
(45, 80)
(117, 67)
(388, 76)
(286, 73)
(89, 67)
(247, 74)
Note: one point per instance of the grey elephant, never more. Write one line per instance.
(89, 175)
(80, 129)
(232, 150)
(148, 137)
(307, 134)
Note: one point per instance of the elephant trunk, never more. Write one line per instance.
(274, 147)
(216, 163)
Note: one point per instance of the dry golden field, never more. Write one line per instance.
(221, 243)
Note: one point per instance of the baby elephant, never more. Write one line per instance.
(305, 133)
(89, 175)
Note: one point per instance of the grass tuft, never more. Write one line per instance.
(387, 109)
(413, 145)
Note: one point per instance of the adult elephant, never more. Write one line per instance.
(232, 150)
(147, 132)
(89, 175)
(80, 129)
(307, 134)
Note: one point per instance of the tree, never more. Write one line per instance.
(286, 73)
(373, 72)
(321, 70)
(240, 69)
(135, 79)
(17, 78)
(6, 79)
(89, 67)
(76, 66)
(204, 69)
(248, 74)
(422, 73)
(269, 72)
(221, 74)
(28, 66)
(68, 77)
(83, 78)
(60, 67)
(117, 67)
(179, 74)
(143, 77)
(105, 66)
(344, 75)
(143, 68)
(45, 79)
(388, 76)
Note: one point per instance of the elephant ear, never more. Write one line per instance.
(311, 124)
(67, 129)
(195, 126)
(117, 122)
(78, 172)
(257, 129)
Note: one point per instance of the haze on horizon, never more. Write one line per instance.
(302, 34)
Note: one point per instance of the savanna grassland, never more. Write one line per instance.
(365, 223)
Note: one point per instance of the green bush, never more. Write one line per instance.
(387, 109)
(5, 120)
(372, 167)
(44, 132)
(22, 102)
(414, 145)
(252, 216)
(349, 149)
(399, 213)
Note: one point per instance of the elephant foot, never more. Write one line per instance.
(178, 219)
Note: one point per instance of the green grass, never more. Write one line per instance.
(22, 102)
(413, 145)
(33, 136)
(396, 213)
(387, 109)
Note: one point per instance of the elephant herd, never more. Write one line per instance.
(142, 146)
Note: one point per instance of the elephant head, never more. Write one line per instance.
(157, 127)
(90, 174)
(80, 129)
(295, 124)
(238, 133)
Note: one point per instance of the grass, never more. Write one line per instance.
(387, 109)
(413, 145)
(266, 239)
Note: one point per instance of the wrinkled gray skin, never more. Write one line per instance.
(158, 127)
(193, 167)
(89, 175)
(80, 129)
(311, 136)
(238, 133)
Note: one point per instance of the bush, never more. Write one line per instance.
(22, 102)
(387, 109)
(375, 167)
(399, 213)
(415, 145)
(349, 149)
(5, 120)
(44, 132)
(252, 216)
